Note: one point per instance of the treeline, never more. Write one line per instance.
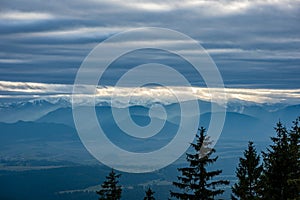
(273, 175)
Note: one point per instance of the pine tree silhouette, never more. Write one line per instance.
(277, 167)
(149, 195)
(248, 173)
(196, 181)
(294, 165)
(110, 190)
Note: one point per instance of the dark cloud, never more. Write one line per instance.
(254, 43)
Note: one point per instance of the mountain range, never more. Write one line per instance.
(41, 135)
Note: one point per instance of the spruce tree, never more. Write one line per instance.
(277, 167)
(196, 181)
(110, 190)
(248, 173)
(149, 195)
(294, 165)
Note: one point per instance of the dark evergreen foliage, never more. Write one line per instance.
(149, 195)
(197, 181)
(110, 190)
(281, 165)
(248, 173)
(294, 165)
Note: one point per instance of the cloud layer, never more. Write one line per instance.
(255, 43)
(147, 95)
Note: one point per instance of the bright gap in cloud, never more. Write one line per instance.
(24, 16)
(78, 32)
(212, 7)
(146, 95)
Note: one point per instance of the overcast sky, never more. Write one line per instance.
(255, 44)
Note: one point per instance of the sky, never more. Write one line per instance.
(255, 44)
